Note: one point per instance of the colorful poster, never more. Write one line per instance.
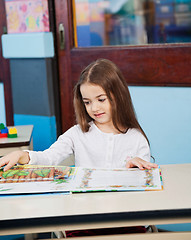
(27, 16)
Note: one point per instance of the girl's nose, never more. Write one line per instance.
(95, 106)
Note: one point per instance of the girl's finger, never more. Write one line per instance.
(139, 165)
(128, 165)
(7, 167)
(152, 164)
(155, 165)
(149, 165)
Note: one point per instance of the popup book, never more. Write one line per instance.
(43, 179)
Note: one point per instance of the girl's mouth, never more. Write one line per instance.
(98, 115)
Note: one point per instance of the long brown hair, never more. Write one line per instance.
(107, 75)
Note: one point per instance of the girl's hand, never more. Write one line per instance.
(13, 158)
(141, 164)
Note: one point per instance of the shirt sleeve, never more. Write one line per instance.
(57, 152)
(143, 150)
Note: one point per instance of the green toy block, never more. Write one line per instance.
(2, 126)
(12, 135)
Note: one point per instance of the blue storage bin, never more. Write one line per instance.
(164, 2)
(171, 34)
(182, 1)
(164, 10)
(166, 21)
(182, 7)
(183, 20)
(178, 39)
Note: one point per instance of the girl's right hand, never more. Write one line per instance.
(140, 163)
(13, 158)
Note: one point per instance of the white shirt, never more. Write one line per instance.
(94, 148)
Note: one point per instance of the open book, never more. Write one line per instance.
(41, 179)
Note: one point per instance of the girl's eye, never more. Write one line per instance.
(86, 103)
(101, 99)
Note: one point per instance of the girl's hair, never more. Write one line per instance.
(108, 76)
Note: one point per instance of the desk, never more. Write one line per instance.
(49, 213)
(24, 140)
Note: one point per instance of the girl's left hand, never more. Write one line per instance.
(140, 163)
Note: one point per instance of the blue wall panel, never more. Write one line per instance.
(44, 132)
(32, 86)
(176, 227)
(165, 115)
(13, 237)
(28, 45)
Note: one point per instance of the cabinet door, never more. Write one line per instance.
(143, 62)
(5, 71)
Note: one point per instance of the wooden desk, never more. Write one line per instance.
(24, 140)
(50, 213)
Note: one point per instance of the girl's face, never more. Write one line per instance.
(97, 106)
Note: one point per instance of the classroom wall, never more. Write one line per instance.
(34, 84)
(165, 115)
(33, 98)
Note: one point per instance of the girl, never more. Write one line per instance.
(107, 135)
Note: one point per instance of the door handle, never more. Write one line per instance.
(61, 36)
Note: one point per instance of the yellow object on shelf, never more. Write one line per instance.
(12, 133)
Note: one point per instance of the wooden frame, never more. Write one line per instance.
(148, 65)
(152, 65)
(5, 71)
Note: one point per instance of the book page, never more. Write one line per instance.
(35, 179)
(117, 179)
